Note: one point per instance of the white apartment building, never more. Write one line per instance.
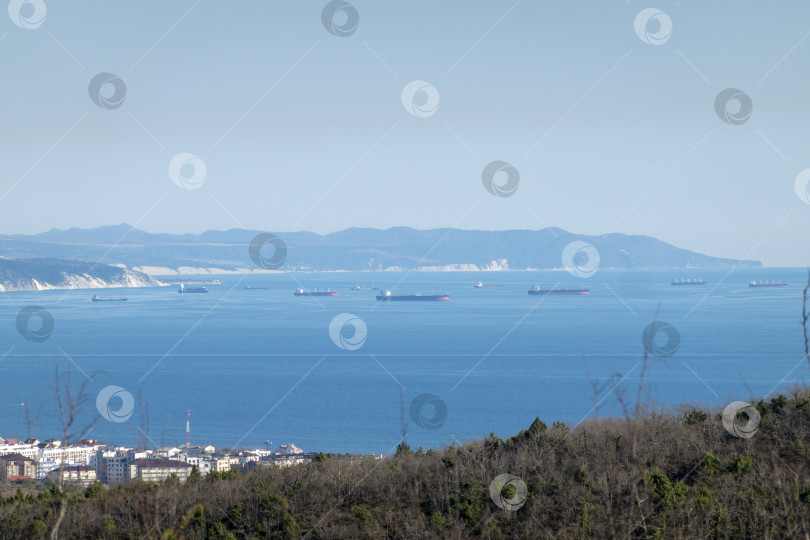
(157, 469)
(203, 464)
(168, 452)
(112, 466)
(27, 450)
(50, 457)
(80, 455)
(79, 475)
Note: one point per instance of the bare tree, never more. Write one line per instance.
(30, 422)
(142, 437)
(68, 407)
(805, 317)
(648, 344)
(403, 423)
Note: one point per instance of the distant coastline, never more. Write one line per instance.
(158, 272)
(96, 275)
(241, 251)
(132, 258)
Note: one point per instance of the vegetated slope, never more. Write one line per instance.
(659, 475)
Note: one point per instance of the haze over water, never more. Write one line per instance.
(259, 365)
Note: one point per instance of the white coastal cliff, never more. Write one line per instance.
(45, 274)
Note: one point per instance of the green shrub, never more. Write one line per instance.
(403, 449)
(362, 514)
(703, 498)
(778, 404)
(582, 477)
(742, 463)
(109, 526)
(665, 492)
(40, 527)
(438, 523)
(712, 464)
(584, 513)
(94, 490)
(321, 457)
(695, 417)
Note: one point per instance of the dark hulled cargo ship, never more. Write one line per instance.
(386, 296)
(689, 282)
(536, 290)
(97, 298)
(302, 292)
(184, 289)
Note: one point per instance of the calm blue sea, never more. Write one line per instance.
(260, 365)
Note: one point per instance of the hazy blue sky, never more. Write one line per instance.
(300, 129)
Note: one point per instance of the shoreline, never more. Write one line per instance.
(211, 274)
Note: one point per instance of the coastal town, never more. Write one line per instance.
(86, 461)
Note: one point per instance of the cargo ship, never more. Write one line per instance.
(479, 285)
(187, 281)
(363, 288)
(689, 282)
(184, 289)
(771, 284)
(302, 292)
(386, 296)
(97, 298)
(537, 290)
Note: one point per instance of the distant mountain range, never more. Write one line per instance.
(41, 274)
(352, 249)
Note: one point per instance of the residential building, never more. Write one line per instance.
(203, 464)
(285, 460)
(78, 475)
(198, 450)
(17, 467)
(68, 455)
(246, 457)
(157, 469)
(167, 452)
(15, 446)
(221, 464)
(112, 466)
(51, 454)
